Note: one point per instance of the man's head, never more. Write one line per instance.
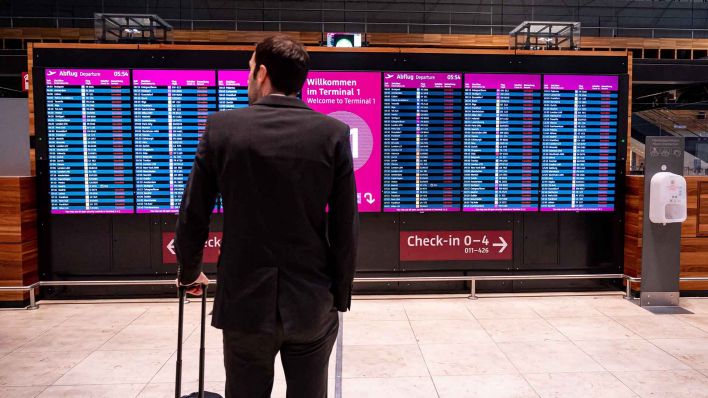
(278, 66)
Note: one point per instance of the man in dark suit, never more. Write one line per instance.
(286, 266)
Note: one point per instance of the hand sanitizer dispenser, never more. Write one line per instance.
(667, 198)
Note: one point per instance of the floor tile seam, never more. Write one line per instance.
(121, 330)
(138, 349)
(567, 372)
(38, 394)
(630, 301)
(42, 392)
(520, 340)
(382, 378)
(467, 306)
(639, 337)
(82, 313)
(488, 374)
(575, 343)
(62, 374)
(94, 384)
(17, 349)
(693, 371)
(635, 371)
(23, 349)
(642, 337)
(442, 319)
(350, 321)
(552, 326)
(382, 345)
(613, 375)
(699, 327)
(172, 350)
(387, 344)
(153, 376)
(690, 324)
(420, 351)
(512, 372)
(627, 328)
(98, 350)
(672, 355)
(647, 338)
(518, 371)
(158, 372)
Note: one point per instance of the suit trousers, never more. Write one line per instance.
(249, 360)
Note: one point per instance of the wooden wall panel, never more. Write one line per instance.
(694, 247)
(437, 40)
(688, 228)
(702, 211)
(375, 39)
(634, 199)
(243, 37)
(18, 234)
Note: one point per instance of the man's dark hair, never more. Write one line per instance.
(286, 60)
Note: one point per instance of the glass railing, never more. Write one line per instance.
(691, 125)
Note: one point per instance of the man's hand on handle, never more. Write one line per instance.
(195, 288)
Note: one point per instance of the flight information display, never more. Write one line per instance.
(170, 113)
(233, 89)
(89, 140)
(501, 142)
(124, 141)
(579, 150)
(355, 99)
(422, 148)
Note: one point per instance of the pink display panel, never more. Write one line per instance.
(90, 141)
(170, 113)
(422, 136)
(501, 142)
(355, 99)
(233, 89)
(579, 151)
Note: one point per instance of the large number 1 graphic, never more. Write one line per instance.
(354, 142)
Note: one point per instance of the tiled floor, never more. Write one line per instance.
(560, 346)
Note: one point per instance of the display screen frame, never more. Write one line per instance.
(365, 61)
(129, 245)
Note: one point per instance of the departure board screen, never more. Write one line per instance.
(422, 148)
(355, 99)
(89, 140)
(233, 89)
(579, 150)
(170, 112)
(502, 123)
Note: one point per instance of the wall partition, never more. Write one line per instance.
(465, 163)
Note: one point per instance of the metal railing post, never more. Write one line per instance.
(628, 295)
(473, 290)
(33, 301)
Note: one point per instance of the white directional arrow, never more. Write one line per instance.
(369, 197)
(503, 244)
(171, 246)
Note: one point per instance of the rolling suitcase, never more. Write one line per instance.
(180, 332)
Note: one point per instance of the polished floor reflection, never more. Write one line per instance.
(559, 346)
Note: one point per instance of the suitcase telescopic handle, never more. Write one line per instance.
(202, 342)
(180, 332)
(180, 338)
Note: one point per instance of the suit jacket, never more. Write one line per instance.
(278, 165)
